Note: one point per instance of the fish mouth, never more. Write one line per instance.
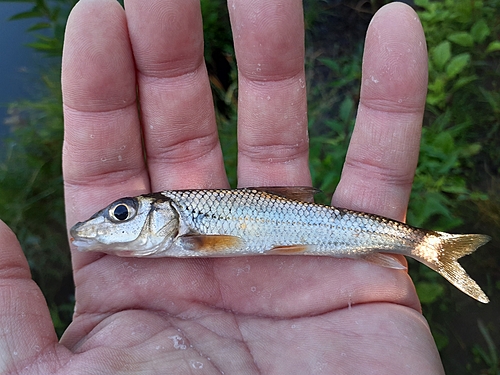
(91, 245)
(85, 244)
(84, 236)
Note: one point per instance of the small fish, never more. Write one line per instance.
(270, 221)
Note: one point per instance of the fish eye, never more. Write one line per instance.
(122, 211)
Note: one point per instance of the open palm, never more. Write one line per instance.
(260, 315)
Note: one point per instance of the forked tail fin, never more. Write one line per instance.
(440, 251)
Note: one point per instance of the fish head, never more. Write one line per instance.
(139, 226)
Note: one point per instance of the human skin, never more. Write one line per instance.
(246, 315)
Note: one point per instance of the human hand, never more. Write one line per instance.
(271, 314)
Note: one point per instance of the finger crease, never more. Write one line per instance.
(184, 151)
(392, 106)
(392, 176)
(112, 177)
(101, 106)
(275, 78)
(183, 71)
(274, 153)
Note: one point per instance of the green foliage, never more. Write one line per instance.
(332, 111)
(461, 35)
(464, 85)
(460, 138)
(221, 65)
(31, 193)
(463, 107)
(440, 180)
(216, 29)
(31, 189)
(429, 292)
(490, 357)
(50, 16)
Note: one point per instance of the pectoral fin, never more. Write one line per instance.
(210, 243)
(288, 250)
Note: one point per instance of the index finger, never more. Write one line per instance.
(102, 152)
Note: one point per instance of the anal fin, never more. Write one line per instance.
(384, 260)
(210, 243)
(288, 249)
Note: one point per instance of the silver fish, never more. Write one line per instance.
(258, 221)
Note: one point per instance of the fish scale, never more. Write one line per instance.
(267, 221)
(276, 221)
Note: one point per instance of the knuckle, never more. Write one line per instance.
(274, 153)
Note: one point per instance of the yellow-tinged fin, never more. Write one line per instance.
(384, 260)
(210, 243)
(440, 252)
(288, 250)
(296, 193)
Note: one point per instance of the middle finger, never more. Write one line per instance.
(177, 110)
(272, 112)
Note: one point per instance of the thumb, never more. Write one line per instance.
(27, 334)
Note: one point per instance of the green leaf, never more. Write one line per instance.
(441, 54)
(492, 97)
(438, 85)
(39, 26)
(41, 46)
(429, 292)
(477, 195)
(346, 109)
(436, 99)
(463, 81)
(440, 339)
(493, 46)
(421, 3)
(34, 13)
(444, 141)
(472, 149)
(480, 31)
(462, 38)
(330, 63)
(455, 186)
(457, 64)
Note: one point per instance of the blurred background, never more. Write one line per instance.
(457, 184)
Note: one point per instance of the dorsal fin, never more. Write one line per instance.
(296, 193)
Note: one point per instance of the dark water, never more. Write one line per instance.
(17, 62)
